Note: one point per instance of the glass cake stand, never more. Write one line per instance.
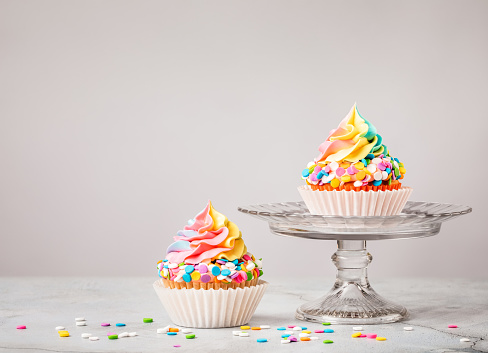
(352, 300)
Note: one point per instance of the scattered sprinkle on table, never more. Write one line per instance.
(355, 335)
(63, 333)
(245, 327)
(80, 319)
(328, 330)
(174, 329)
(326, 323)
(304, 338)
(408, 328)
(452, 326)
(328, 341)
(59, 328)
(465, 340)
(21, 327)
(132, 334)
(372, 335)
(171, 333)
(285, 335)
(147, 320)
(190, 336)
(177, 346)
(113, 337)
(93, 338)
(262, 340)
(291, 326)
(119, 324)
(380, 338)
(236, 333)
(111, 333)
(306, 331)
(85, 335)
(293, 339)
(255, 328)
(123, 334)
(265, 327)
(80, 323)
(244, 334)
(186, 330)
(281, 328)
(285, 341)
(105, 324)
(357, 328)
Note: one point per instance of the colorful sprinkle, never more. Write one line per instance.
(22, 327)
(328, 341)
(146, 320)
(380, 338)
(190, 336)
(119, 324)
(113, 337)
(452, 326)
(262, 340)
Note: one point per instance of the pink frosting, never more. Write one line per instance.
(198, 241)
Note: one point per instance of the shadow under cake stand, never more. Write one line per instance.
(352, 300)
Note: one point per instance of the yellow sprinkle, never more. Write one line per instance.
(195, 275)
(366, 171)
(359, 165)
(335, 183)
(345, 165)
(306, 331)
(346, 178)
(245, 327)
(357, 334)
(402, 170)
(380, 338)
(360, 175)
(63, 332)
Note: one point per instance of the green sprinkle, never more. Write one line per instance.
(389, 181)
(249, 276)
(113, 337)
(326, 323)
(260, 273)
(328, 341)
(147, 320)
(190, 336)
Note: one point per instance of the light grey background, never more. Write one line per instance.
(120, 119)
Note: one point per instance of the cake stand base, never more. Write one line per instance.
(351, 300)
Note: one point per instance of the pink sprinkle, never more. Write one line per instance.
(205, 278)
(202, 268)
(381, 166)
(313, 177)
(452, 326)
(381, 155)
(246, 257)
(352, 170)
(21, 327)
(363, 335)
(111, 333)
(371, 335)
(319, 331)
(340, 171)
(105, 324)
(293, 339)
(291, 326)
(177, 346)
(326, 169)
(317, 169)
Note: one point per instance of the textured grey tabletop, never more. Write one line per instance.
(44, 303)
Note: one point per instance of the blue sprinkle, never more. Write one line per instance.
(262, 340)
(215, 271)
(281, 328)
(388, 170)
(285, 336)
(165, 266)
(328, 331)
(326, 174)
(235, 262)
(305, 173)
(320, 175)
(225, 272)
(377, 182)
(165, 260)
(370, 156)
(304, 328)
(225, 260)
(171, 333)
(189, 269)
(238, 268)
(186, 277)
(396, 159)
(364, 162)
(119, 324)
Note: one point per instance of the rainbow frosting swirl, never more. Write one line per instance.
(353, 157)
(209, 249)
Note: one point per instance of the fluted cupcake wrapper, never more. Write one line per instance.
(210, 308)
(355, 203)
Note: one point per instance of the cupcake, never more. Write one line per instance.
(354, 174)
(208, 278)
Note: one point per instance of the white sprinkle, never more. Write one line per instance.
(358, 183)
(357, 328)
(259, 263)
(123, 334)
(250, 266)
(288, 332)
(378, 175)
(304, 335)
(465, 340)
(92, 338)
(371, 168)
(285, 341)
(230, 265)
(80, 323)
(236, 333)
(85, 335)
(172, 265)
(80, 319)
(243, 334)
(132, 334)
(221, 277)
(376, 161)
(59, 328)
(408, 328)
(384, 174)
(333, 166)
(313, 338)
(265, 326)
(163, 330)
(297, 328)
(186, 330)
(310, 164)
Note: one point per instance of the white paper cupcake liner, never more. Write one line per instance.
(355, 203)
(210, 308)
